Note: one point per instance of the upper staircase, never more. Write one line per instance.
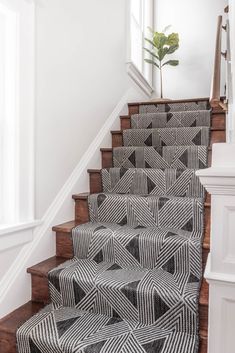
(143, 221)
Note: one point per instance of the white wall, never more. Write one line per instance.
(81, 88)
(81, 75)
(195, 21)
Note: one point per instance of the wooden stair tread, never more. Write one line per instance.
(221, 111)
(81, 196)
(44, 267)
(65, 227)
(84, 196)
(110, 149)
(14, 320)
(203, 334)
(120, 132)
(164, 101)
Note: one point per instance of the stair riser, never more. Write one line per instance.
(95, 183)
(107, 158)
(82, 216)
(216, 136)
(217, 121)
(203, 345)
(134, 108)
(7, 343)
(64, 247)
(40, 290)
(40, 293)
(13, 321)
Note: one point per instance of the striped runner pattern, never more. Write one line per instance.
(169, 120)
(133, 284)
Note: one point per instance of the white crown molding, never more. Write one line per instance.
(139, 79)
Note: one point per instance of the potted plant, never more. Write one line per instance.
(162, 45)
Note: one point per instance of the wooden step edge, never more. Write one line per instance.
(42, 269)
(81, 196)
(10, 323)
(215, 112)
(125, 117)
(97, 171)
(110, 149)
(203, 334)
(66, 228)
(84, 196)
(218, 111)
(120, 132)
(166, 101)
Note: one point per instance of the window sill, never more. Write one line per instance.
(12, 228)
(15, 235)
(139, 79)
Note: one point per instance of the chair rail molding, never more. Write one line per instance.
(219, 181)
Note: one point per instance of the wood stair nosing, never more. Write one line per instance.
(218, 121)
(95, 182)
(107, 157)
(217, 135)
(133, 108)
(40, 289)
(82, 214)
(10, 323)
(64, 246)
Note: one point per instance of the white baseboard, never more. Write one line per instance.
(61, 210)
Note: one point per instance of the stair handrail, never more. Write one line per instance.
(215, 100)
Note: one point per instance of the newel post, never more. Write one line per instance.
(219, 181)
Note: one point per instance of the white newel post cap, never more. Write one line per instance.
(220, 178)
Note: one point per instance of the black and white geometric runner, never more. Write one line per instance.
(169, 120)
(133, 284)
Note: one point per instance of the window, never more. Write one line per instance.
(16, 111)
(140, 18)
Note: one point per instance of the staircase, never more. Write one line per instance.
(127, 272)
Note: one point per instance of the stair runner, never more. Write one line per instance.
(133, 284)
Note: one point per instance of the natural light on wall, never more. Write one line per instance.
(141, 17)
(9, 112)
(16, 112)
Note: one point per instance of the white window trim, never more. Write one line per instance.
(139, 78)
(133, 72)
(24, 183)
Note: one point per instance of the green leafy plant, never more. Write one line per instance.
(161, 46)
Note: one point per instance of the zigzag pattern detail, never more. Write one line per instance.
(169, 120)
(133, 283)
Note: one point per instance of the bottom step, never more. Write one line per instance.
(69, 329)
(10, 324)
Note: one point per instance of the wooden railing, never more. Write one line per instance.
(216, 79)
(215, 97)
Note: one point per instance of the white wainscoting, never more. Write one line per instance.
(219, 180)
